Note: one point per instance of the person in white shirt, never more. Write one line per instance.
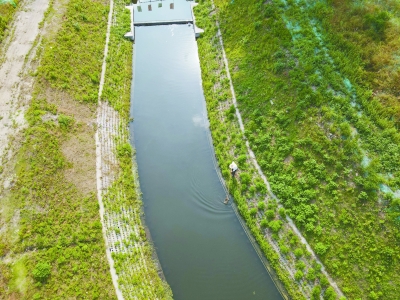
(233, 167)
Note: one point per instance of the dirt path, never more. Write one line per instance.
(105, 157)
(14, 90)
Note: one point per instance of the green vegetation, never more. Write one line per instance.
(7, 10)
(41, 272)
(58, 247)
(138, 277)
(58, 241)
(317, 86)
(248, 190)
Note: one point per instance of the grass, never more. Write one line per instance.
(248, 190)
(21, 274)
(58, 224)
(318, 114)
(7, 12)
(57, 217)
(138, 277)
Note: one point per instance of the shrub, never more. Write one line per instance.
(317, 266)
(65, 121)
(41, 272)
(261, 205)
(242, 159)
(257, 24)
(282, 212)
(374, 296)
(299, 155)
(264, 223)
(311, 274)
(275, 225)
(323, 281)
(245, 178)
(363, 196)
(270, 214)
(284, 249)
(294, 240)
(253, 211)
(298, 275)
(252, 191)
(320, 248)
(124, 150)
(378, 22)
(300, 265)
(330, 294)
(298, 252)
(261, 187)
(315, 293)
(36, 296)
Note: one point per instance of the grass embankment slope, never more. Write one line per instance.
(53, 247)
(297, 269)
(138, 277)
(316, 86)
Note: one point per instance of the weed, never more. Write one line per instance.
(57, 220)
(123, 196)
(316, 91)
(7, 11)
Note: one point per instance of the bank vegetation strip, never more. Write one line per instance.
(265, 217)
(319, 113)
(122, 216)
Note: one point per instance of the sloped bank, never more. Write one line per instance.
(297, 266)
(328, 148)
(131, 254)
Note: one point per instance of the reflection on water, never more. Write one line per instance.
(202, 248)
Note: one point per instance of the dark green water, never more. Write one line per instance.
(203, 250)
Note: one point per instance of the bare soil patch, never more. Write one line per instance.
(12, 88)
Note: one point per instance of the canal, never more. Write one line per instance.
(203, 250)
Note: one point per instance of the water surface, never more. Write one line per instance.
(203, 250)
